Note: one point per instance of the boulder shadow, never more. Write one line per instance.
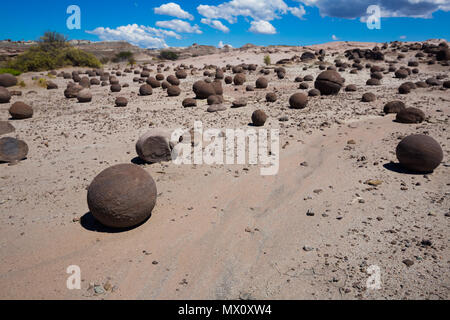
(89, 223)
(138, 161)
(397, 167)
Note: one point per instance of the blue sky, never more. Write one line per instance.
(236, 22)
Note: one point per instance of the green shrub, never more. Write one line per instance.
(169, 55)
(14, 72)
(52, 52)
(42, 83)
(123, 56)
(267, 60)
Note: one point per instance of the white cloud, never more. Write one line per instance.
(402, 37)
(216, 24)
(334, 37)
(257, 9)
(174, 10)
(262, 27)
(221, 45)
(351, 9)
(299, 12)
(142, 36)
(179, 26)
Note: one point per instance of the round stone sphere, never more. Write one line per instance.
(121, 102)
(12, 149)
(410, 115)
(5, 95)
(419, 153)
(271, 97)
(189, 102)
(262, 83)
(394, 107)
(298, 101)
(329, 82)
(239, 79)
(145, 90)
(116, 87)
(122, 196)
(20, 110)
(173, 91)
(368, 97)
(259, 118)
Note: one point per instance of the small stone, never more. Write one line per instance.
(374, 183)
(408, 262)
(99, 290)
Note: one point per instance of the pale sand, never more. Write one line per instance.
(222, 232)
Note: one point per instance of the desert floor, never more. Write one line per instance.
(226, 232)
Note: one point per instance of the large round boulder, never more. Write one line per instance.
(262, 83)
(259, 118)
(410, 115)
(12, 149)
(155, 146)
(239, 79)
(298, 100)
(85, 82)
(368, 97)
(203, 89)
(181, 74)
(84, 96)
(173, 80)
(145, 90)
(121, 102)
(122, 196)
(173, 91)
(5, 95)
(329, 82)
(6, 127)
(394, 107)
(116, 87)
(271, 97)
(419, 153)
(72, 91)
(7, 80)
(51, 85)
(20, 110)
(153, 82)
(189, 102)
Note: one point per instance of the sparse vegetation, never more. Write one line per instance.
(168, 55)
(104, 60)
(22, 84)
(42, 82)
(52, 52)
(14, 72)
(267, 60)
(123, 56)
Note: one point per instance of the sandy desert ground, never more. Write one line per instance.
(226, 232)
